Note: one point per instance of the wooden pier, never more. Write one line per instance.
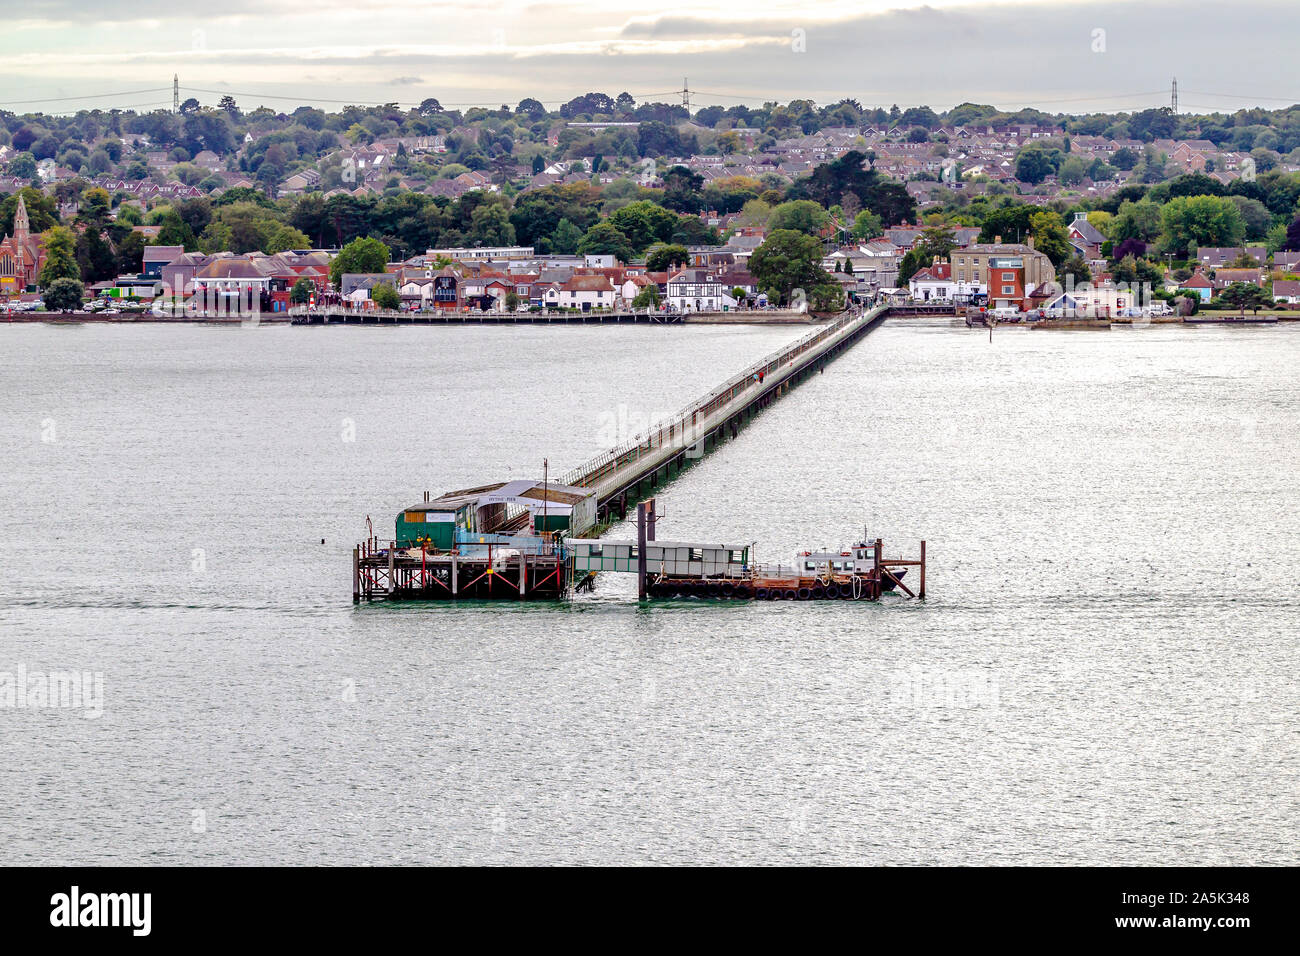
(500, 554)
(333, 315)
(493, 573)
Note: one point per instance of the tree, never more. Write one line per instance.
(1074, 267)
(64, 295)
(1190, 221)
(301, 292)
(789, 260)
(537, 214)
(802, 215)
(666, 256)
(604, 239)
(1073, 171)
(23, 166)
(656, 138)
(129, 253)
(565, 238)
(512, 301)
(682, 190)
(934, 243)
(1033, 165)
(1135, 270)
(1136, 220)
(385, 296)
(1246, 295)
(60, 256)
(644, 223)
(647, 298)
(532, 108)
(1292, 241)
(1010, 222)
(285, 238)
(867, 225)
(95, 259)
(1155, 123)
(1255, 215)
(1050, 235)
(829, 182)
(490, 226)
(1134, 248)
(368, 256)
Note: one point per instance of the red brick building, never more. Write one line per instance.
(21, 256)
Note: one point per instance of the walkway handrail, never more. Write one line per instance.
(584, 474)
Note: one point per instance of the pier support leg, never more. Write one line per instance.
(650, 519)
(392, 583)
(921, 594)
(455, 584)
(640, 551)
(880, 584)
(356, 576)
(523, 574)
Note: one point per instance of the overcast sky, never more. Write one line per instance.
(1060, 56)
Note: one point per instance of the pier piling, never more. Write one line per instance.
(356, 575)
(922, 591)
(640, 550)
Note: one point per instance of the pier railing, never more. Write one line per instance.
(681, 429)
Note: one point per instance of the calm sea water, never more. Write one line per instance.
(1104, 671)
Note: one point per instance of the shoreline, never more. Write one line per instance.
(82, 318)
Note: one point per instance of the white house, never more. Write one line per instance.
(1087, 300)
(632, 286)
(1286, 290)
(421, 289)
(698, 290)
(583, 292)
(935, 283)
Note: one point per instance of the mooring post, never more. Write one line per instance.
(650, 519)
(392, 553)
(356, 576)
(922, 591)
(640, 551)
(454, 584)
(523, 573)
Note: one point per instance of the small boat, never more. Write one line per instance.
(860, 560)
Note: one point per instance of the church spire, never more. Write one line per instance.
(22, 228)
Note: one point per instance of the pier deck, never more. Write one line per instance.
(337, 316)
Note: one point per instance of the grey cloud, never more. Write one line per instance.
(1032, 54)
(80, 11)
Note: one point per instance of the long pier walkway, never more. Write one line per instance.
(622, 475)
(337, 316)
